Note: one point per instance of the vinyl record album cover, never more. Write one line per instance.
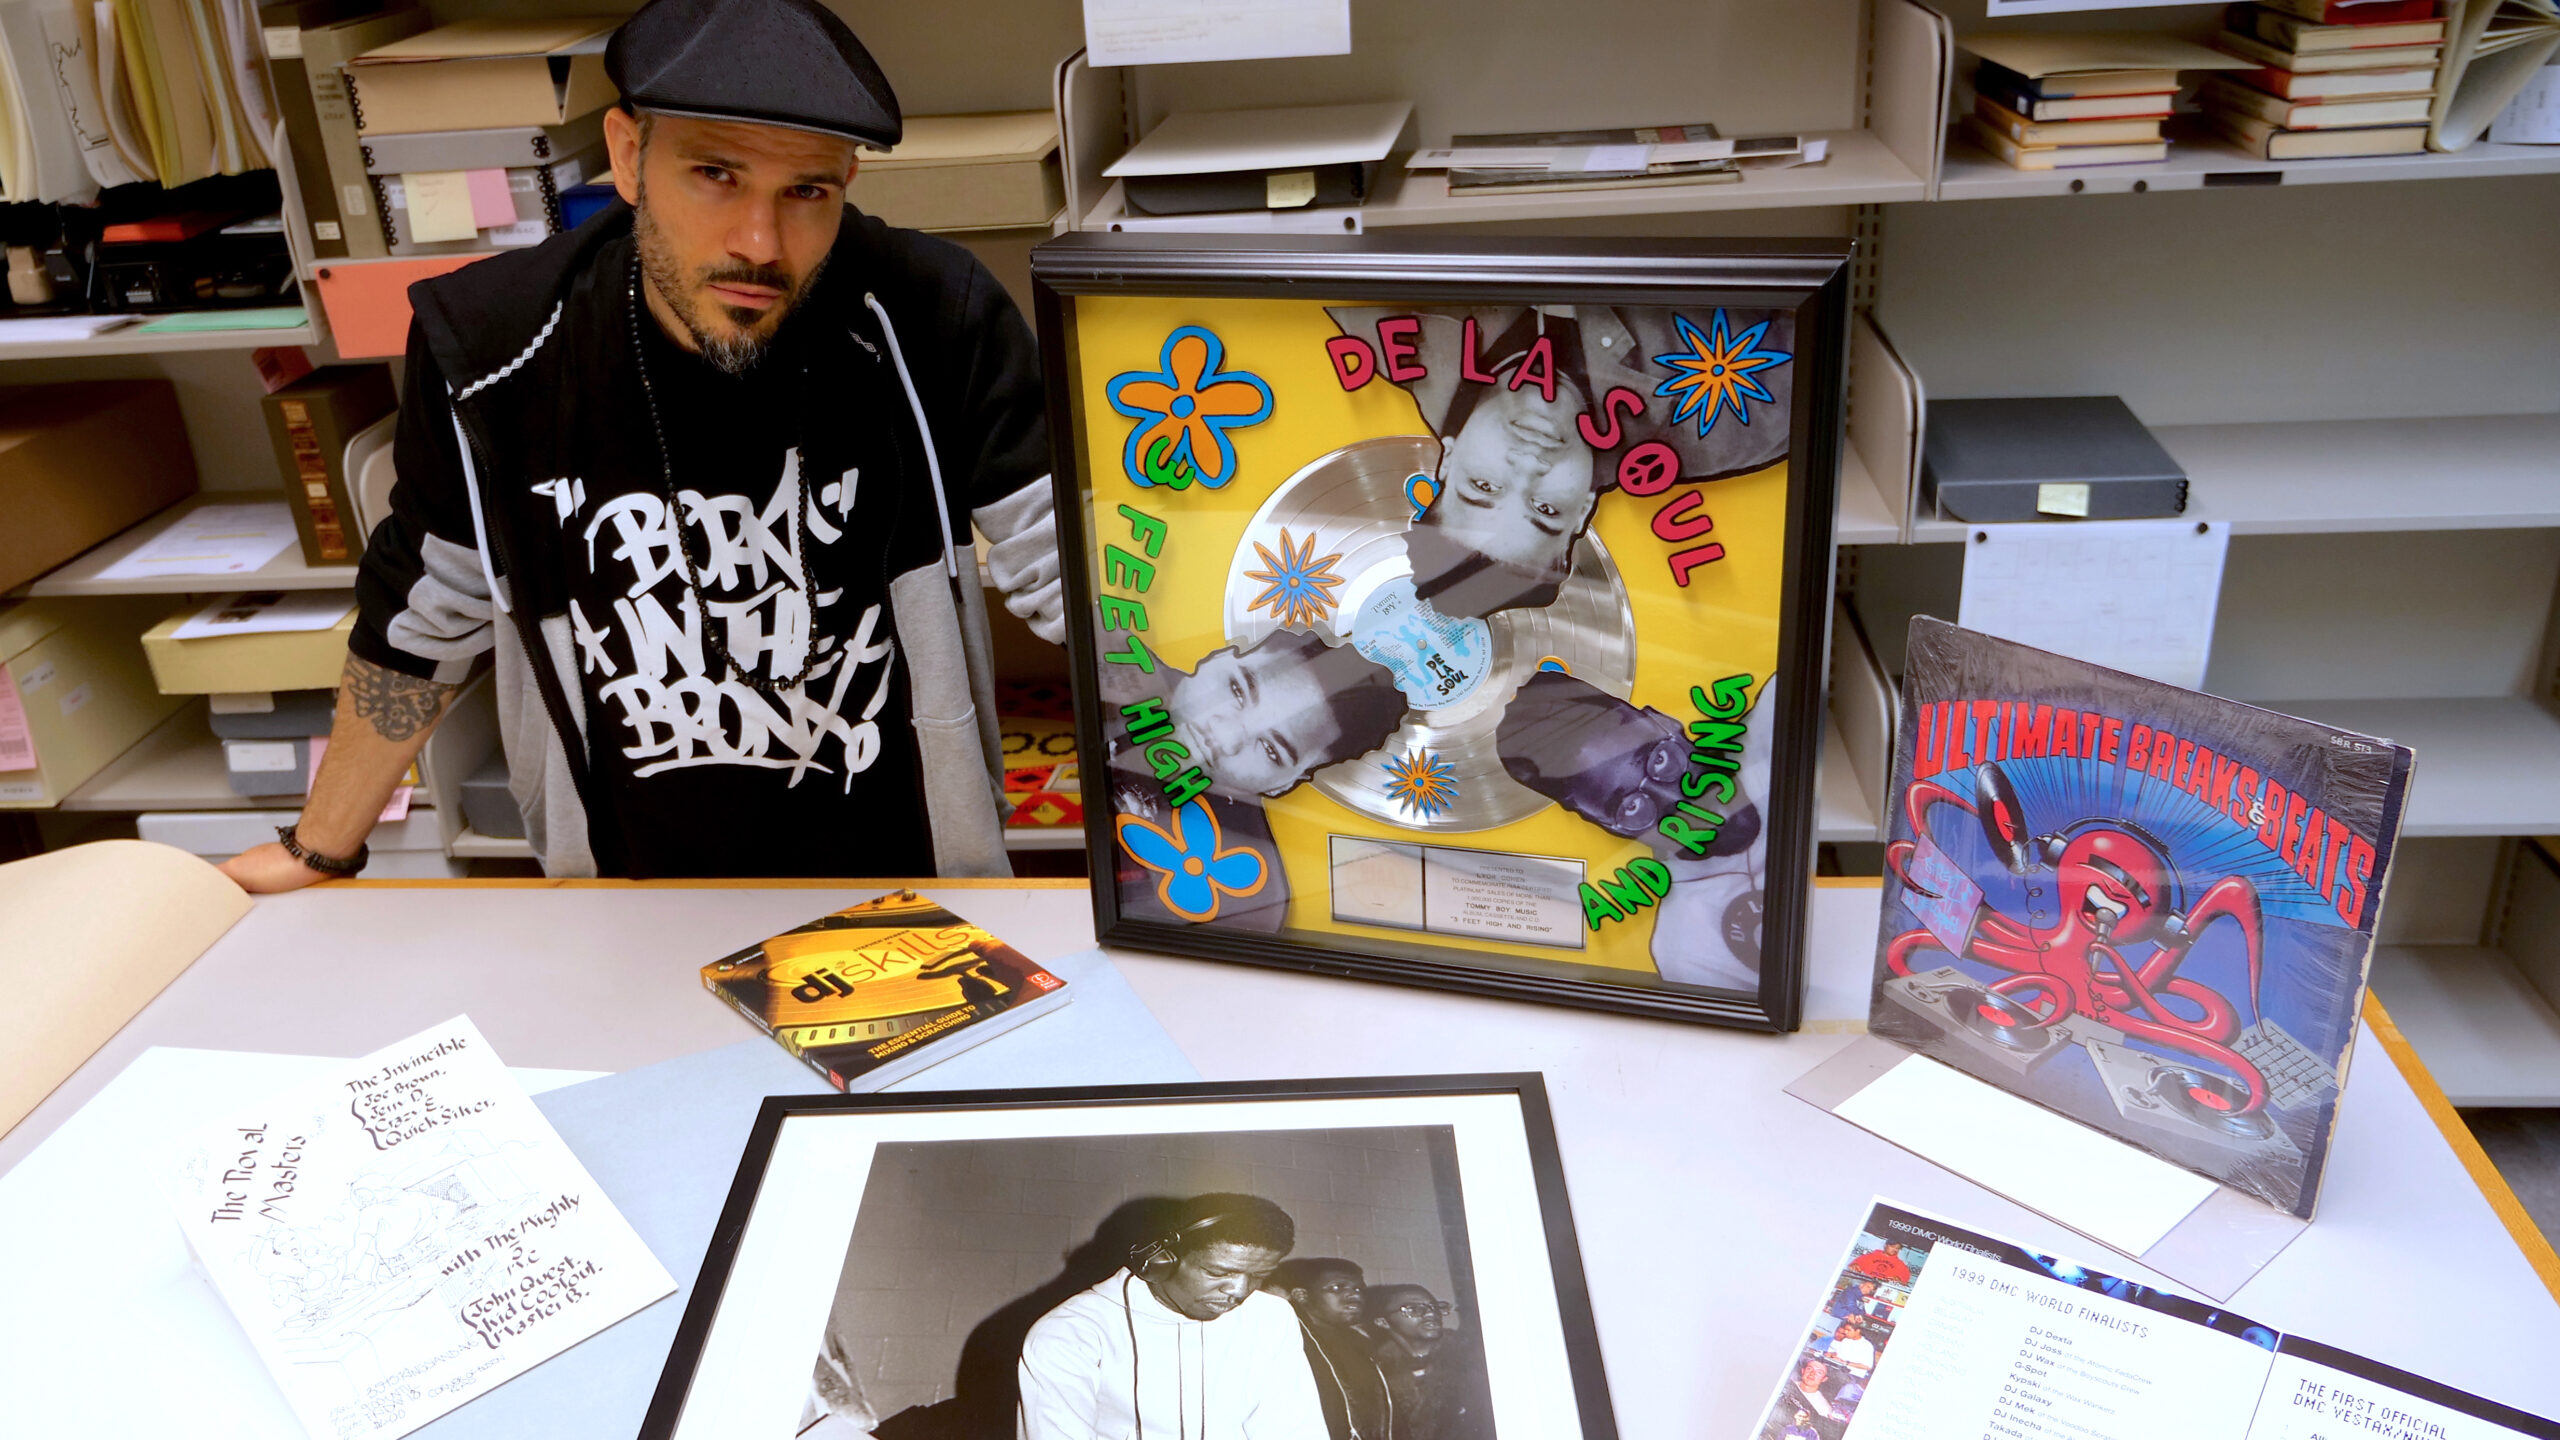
(878, 991)
(2143, 907)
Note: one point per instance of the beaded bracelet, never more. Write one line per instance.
(326, 865)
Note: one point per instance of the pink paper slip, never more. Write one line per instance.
(491, 204)
(17, 743)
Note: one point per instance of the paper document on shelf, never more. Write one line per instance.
(211, 540)
(1216, 142)
(261, 317)
(2533, 117)
(405, 1232)
(2036, 54)
(53, 329)
(2133, 595)
(1172, 32)
(267, 612)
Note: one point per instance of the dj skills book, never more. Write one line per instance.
(879, 991)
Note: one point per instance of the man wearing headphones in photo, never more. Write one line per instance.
(1179, 1344)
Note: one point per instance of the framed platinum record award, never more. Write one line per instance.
(1452, 615)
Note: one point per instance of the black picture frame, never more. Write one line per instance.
(1809, 278)
(1581, 1345)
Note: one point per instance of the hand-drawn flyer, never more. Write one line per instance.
(1456, 632)
(405, 1234)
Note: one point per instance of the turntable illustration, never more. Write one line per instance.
(1326, 553)
(1999, 1030)
(2184, 1106)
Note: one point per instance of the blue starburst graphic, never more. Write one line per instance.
(1715, 373)
(1421, 782)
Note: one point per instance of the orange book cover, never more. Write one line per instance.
(879, 991)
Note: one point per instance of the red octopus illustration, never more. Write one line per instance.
(2115, 888)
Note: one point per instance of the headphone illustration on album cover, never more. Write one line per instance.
(2021, 852)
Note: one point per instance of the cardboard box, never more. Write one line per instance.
(81, 461)
(74, 690)
(484, 74)
(966, 172)
(296, 660)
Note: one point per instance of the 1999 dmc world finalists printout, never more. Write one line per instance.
(405, 1234)
(1933, 1332)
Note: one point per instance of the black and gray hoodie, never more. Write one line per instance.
(509, 359)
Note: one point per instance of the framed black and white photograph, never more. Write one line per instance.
(1387, 1259)
(1452, 612)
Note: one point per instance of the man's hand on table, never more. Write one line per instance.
(269, 869)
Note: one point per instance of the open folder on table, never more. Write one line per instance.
(94, 933)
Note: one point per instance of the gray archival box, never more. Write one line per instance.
(1990, 461)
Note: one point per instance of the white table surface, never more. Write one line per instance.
(1711, 1206)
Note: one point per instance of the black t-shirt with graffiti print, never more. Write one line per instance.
(703, 774)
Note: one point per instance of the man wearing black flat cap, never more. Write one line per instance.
(702, 475)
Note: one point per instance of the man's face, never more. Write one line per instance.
(1333, 1300)
(1253, 722)
(1616, 765)
(1810, 1375)
(1214, 1279)
(735, 222)
(1515, 481)
(1414, 1318)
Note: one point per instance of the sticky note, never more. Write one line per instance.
(439, 205)
(491, 204)
(1288, 189)
(2055, 497)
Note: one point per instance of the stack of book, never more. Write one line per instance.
(2334, 78)
(2061, 121)
(2058, 101)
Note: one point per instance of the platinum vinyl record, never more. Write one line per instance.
(1352, 507)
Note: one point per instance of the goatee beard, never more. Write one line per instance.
(735, 352)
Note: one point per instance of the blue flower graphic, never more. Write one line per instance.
(1184, 410)
(1715, 373)
(1194, 869)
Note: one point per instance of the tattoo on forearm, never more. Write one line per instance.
(397, 706)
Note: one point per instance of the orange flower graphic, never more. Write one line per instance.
(1184, 412)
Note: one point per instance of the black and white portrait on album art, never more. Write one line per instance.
(1241, 1285)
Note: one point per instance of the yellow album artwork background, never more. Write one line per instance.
(1448, 625)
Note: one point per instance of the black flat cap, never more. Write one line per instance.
(767, 62)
